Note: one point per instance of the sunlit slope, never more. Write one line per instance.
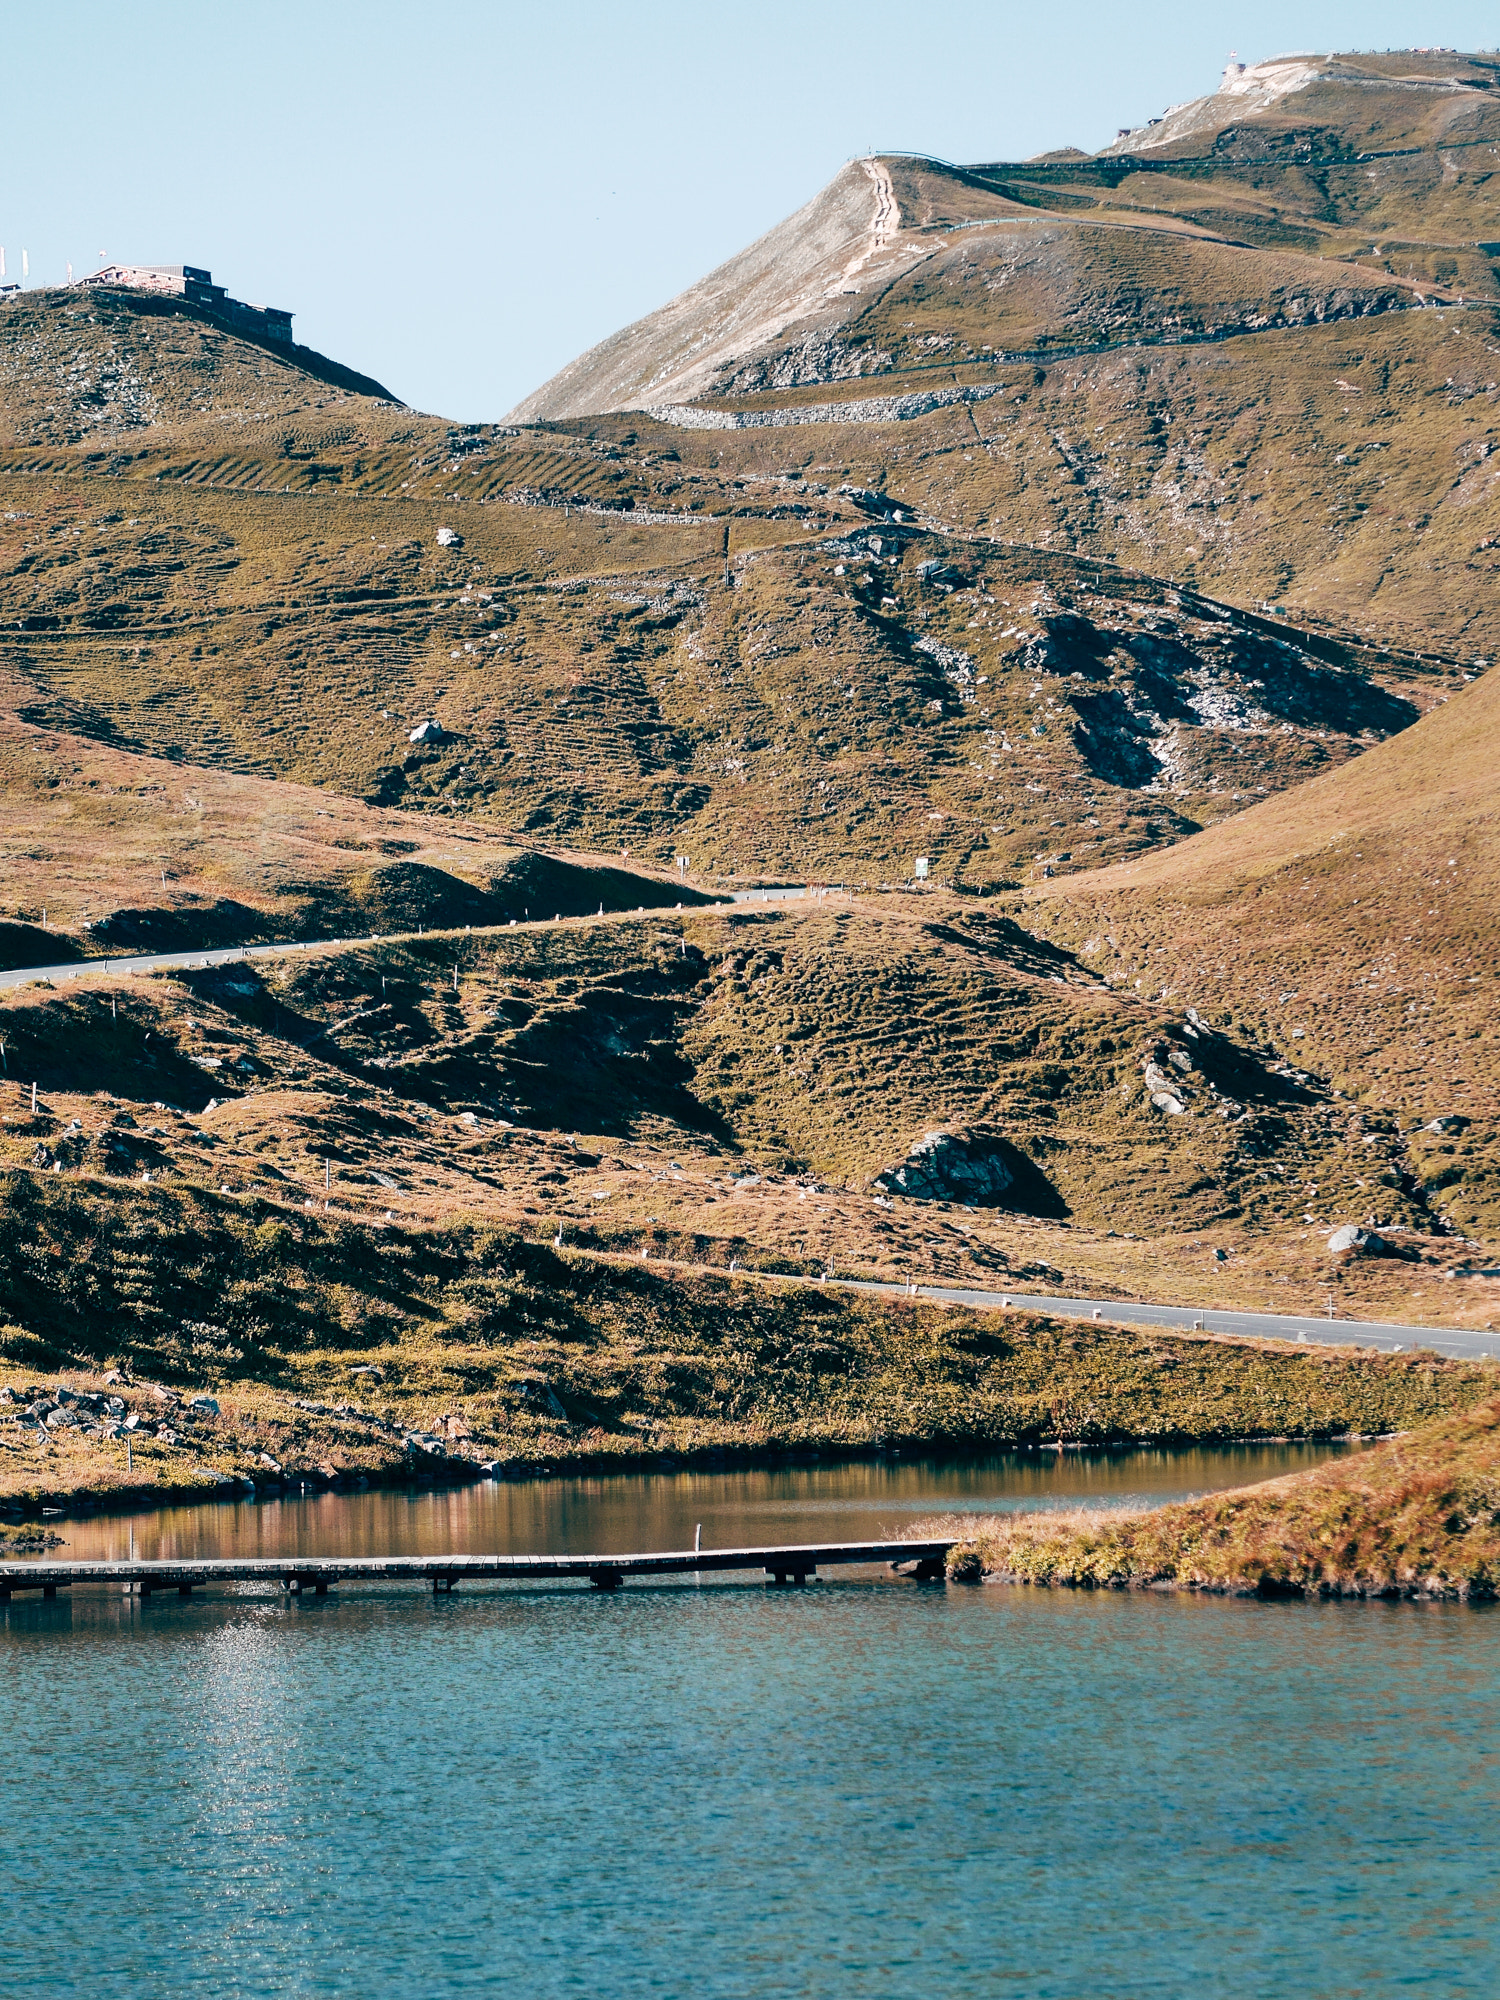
(105, 851)
(802, 273)
(1354, 922)
(108, 368)
(825, 706)
(821, 1042)
(1319, 108)
(1379, 166)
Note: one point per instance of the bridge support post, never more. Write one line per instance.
(446, 1585)
(605, 1579)
(786, 1576)
(184, 1590)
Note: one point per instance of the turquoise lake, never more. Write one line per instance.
(868, 1787)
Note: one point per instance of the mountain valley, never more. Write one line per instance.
(1077, 574)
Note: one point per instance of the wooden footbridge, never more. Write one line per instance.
(792, 1564)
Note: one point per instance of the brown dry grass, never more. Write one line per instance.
(512, 1353)
(688, 1085)
(1417, 1516)
(1352, 924)
(241, 571)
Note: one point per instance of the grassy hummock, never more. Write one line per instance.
(1415, 1516)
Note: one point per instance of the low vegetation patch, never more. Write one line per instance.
(1415, 1516)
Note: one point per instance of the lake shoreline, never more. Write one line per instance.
(1413, 1517)
(92, 1502)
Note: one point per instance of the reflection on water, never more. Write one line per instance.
(624, 1513)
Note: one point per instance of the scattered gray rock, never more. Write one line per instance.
(204, 1406)
(1165, 1091)
(449, 538)
(431, 731)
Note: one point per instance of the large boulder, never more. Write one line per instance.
(951, 1166)
(1352, 1241)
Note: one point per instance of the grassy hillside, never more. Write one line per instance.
(328, 1343)
(738, 1085)
(1114, 534)
(825, 708)
(121, 853)
(1351, 924)
(99, 369)
(1412, 1517)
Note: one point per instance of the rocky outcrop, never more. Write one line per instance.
(951, 1166)
(1352, 1241)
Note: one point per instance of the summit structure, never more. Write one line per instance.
(191, 282)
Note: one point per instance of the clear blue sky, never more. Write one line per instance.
(457, 198)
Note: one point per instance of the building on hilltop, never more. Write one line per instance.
(188, 281)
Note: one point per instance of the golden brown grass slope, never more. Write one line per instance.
(827, 707)
(1353, 926)
(1417, 1516)
(108, 852)
(99, 369)
(330, 1340)
(715, 1086)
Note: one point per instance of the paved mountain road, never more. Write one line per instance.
(179, 961)
(1461, 1343)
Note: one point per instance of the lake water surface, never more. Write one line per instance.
(870, 1787)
